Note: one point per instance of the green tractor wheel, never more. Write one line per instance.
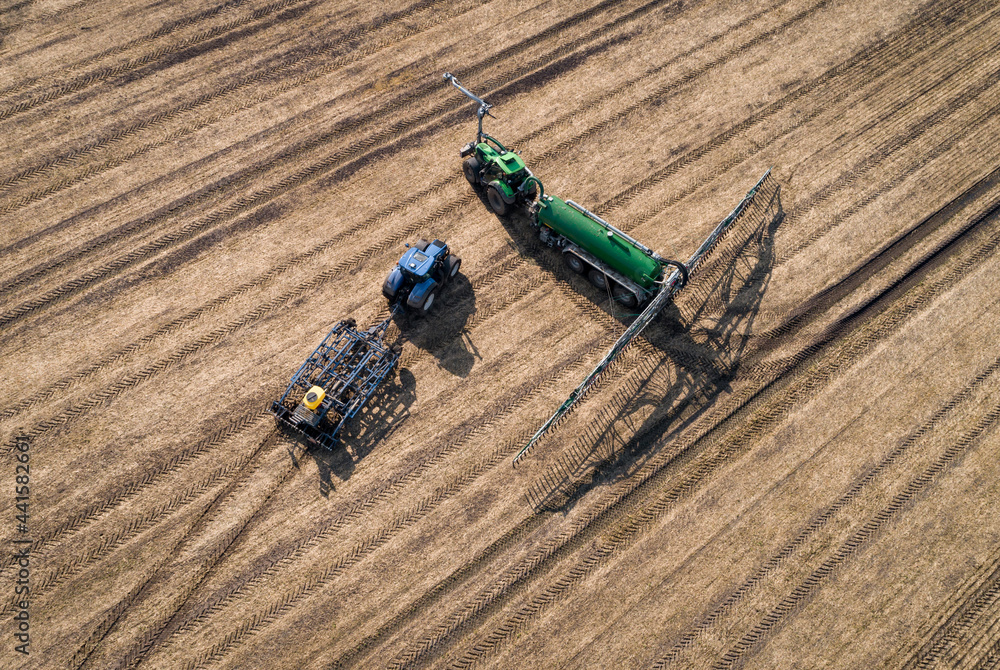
(471, 169)
(496, 200)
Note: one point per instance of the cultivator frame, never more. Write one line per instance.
(347, 367)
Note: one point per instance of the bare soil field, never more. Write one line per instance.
(795, 466)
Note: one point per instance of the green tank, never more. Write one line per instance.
(594, 235)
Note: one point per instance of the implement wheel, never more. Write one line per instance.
(496, 200)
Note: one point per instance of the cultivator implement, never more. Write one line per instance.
(336, 381)
(762, 197)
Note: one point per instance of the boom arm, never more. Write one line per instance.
(674, 282)
(484, 107)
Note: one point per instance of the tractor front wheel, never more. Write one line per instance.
(428, 301)
(470, 166)
(496, 200)
(454, 262)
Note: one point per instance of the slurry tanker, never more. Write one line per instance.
(631, 272)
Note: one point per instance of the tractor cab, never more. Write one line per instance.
(417, 264)
(420, 274)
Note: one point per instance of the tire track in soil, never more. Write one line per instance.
(83, 653)
(234, 429)
(771, 623)
(968, 606)
(209, 514)
(345, 46)
(368, 224)
(780, 557)
(310, 287)
(607, 522)
(358, 154)
(103, 74)
(306, 289)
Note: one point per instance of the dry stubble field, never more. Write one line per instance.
(796, 466)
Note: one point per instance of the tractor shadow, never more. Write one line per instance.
(700, 349)
(443, 333)
(380, 418)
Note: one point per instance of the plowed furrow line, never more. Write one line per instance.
(860, 71)
(258, 283)
(46, 393)
(978, 597)
(823, 519)
(528, 391)
(90, 645)
(215, 336)
(480, 426)
(358, 154)
(103, 74)
(890, 252)
(766, 406)
(890, 148)
(347, 52)
(756, 638)
(164, 30)
(143, 522)
(210, 513)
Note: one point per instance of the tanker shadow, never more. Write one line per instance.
(380, 418)
(666, 394)
(443, 332)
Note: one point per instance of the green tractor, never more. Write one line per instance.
(508, 181)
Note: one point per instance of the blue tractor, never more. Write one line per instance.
(420, 274)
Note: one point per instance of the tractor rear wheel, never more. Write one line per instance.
(496, 200)
(624, 297)
(574, 263)
(470, 166)
(598, 279)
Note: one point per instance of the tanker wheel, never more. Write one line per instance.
(624, 297)
(470, 166)
(496, 200)
(598, 279)
(574, 263)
